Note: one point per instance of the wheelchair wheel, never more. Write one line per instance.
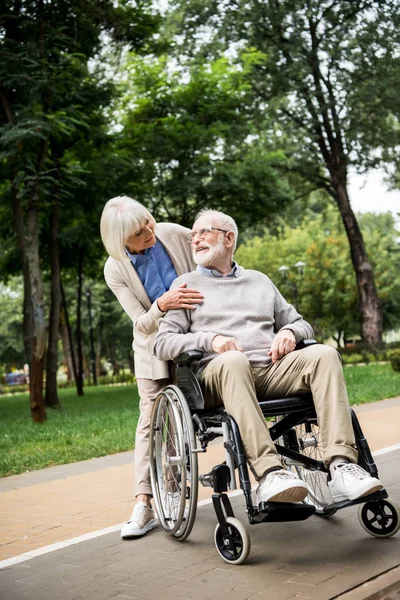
(309, 443)
(380, 518)
(235, 547)
(173, 464)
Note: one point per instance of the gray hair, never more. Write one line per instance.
(122, 216)
(224, 221)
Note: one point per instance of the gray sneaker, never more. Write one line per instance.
(141, 521)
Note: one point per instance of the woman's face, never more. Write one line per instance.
(142, 239)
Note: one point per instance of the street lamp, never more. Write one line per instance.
(284, 271)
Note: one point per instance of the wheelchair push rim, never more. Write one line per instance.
(173, 463)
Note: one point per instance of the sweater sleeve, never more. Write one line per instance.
(287, 317)
(173, 336)
(145, 321)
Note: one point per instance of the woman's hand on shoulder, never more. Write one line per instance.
(180, 297)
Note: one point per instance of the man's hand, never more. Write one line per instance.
(221, 344)
(180, 297)
(284, 342)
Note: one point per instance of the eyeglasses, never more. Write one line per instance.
(203, 232)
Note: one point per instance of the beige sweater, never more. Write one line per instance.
(123, 280)
(247, 307)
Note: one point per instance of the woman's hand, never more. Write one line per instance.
(180, 297)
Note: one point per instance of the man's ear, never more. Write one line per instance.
(229, 239)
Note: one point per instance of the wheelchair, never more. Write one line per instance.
(181, 428)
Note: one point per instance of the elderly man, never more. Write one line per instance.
(248, 334)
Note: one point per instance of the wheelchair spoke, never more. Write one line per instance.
(308, 440)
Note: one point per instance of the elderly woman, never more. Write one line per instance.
(144, 259)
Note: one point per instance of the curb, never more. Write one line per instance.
(377, 588)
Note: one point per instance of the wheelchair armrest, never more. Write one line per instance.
(305, 344)
(188, 357)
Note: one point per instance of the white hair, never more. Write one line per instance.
(224, 221)
(121, 217)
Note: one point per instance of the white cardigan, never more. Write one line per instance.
(123, 280)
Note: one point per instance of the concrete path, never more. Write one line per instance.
(61, 505)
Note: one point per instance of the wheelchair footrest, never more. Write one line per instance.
(381, 495)
(282, 511)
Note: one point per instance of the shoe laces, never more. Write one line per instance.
(282, 474)
(352, 470)
(138, 511)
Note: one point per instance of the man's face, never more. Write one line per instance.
(208, 247)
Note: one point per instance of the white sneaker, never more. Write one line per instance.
(350, 481)
(141, 521)
(281, 486)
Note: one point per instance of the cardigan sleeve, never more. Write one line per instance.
(145, 321)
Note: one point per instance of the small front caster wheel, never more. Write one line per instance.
(381, 518)
(235, 547)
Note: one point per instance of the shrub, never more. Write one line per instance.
(394, 357)
(350, 359)
(13, 389)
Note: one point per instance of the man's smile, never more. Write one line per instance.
(202, 249)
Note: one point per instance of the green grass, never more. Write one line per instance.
(104, 421)
(368, 383)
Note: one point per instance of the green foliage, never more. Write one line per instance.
(188, 134)
(353, 358)
(11, 334)
(328, 71)
(326, 293)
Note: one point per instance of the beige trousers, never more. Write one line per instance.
(229, 379)
(148, 390)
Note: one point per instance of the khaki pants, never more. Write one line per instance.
(148, 390)
(229, 379)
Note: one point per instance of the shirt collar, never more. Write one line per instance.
(212, 273)
(135, 257)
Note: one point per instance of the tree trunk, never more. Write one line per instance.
(51, 396)
(79, 374)
(68, 360)
(99, 348)
(369, 303)
(38, 334)
(71, 353)
(131, 362)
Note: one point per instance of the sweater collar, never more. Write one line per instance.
(211, 273)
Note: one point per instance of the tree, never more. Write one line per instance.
(44, 74)
(329, 73)
(186, 133)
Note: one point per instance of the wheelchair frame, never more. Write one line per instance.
(179, 417)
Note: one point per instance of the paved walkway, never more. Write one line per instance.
(312, 559)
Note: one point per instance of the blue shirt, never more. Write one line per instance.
(212, 273)
(155, 269)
